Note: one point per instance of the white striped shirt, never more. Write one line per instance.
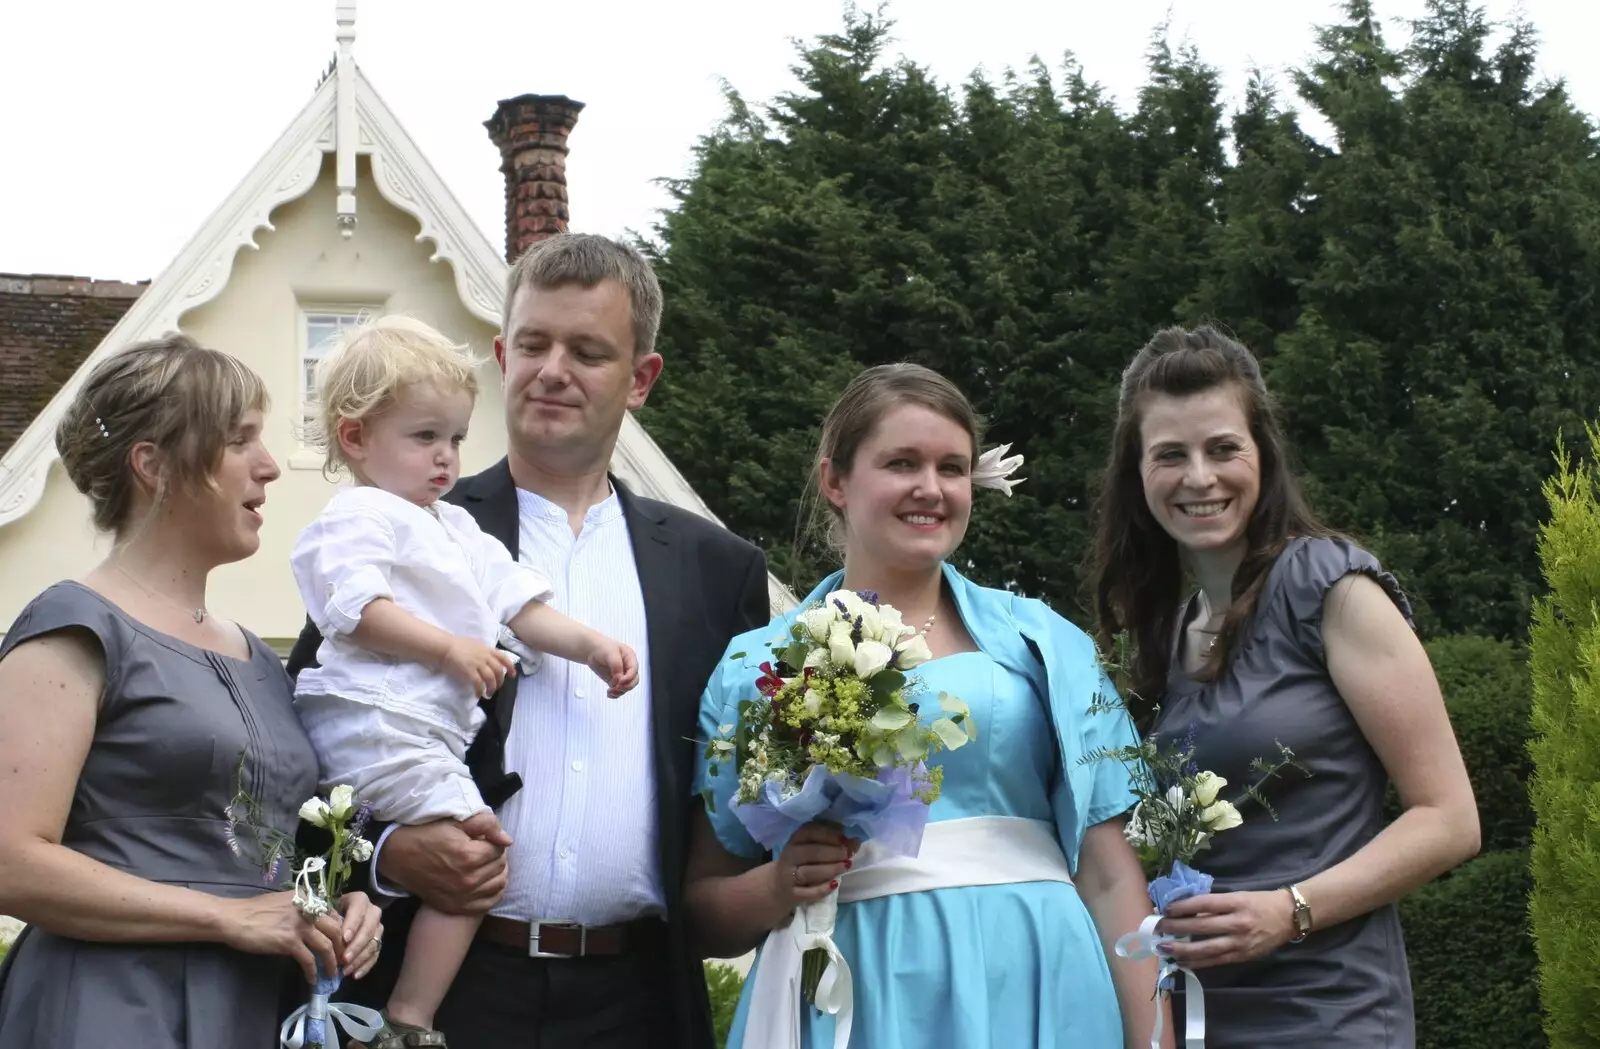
(583, 826)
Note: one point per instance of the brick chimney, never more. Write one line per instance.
(531, 131)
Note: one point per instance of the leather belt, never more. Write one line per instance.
(548, 939)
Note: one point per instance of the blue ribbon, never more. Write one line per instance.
(307, 1025)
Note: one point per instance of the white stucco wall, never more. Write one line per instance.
(257, 317)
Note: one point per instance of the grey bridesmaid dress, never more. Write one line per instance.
(1346, 985)
(150, 801)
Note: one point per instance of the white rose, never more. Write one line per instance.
(1207, 786)
(315, 812)
(871, 657)
(361, 850)
(851, 602)
(342, 801)
(811, 703)
(1175, 799)
(841, 650)
(818, 622)
(1220, 816)
(911, 652)
(891, 628)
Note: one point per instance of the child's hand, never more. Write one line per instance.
(616, 664)
(477, 664)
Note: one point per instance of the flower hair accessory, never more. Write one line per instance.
(103, 431)
(994, 469)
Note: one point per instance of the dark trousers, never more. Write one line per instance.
(502, 999)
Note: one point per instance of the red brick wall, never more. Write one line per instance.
(48, 326)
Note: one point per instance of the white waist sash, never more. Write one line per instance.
(983, 850)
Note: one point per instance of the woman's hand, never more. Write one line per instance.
(361, 934)
(810, 864)
(272, 924)
(1237, 926)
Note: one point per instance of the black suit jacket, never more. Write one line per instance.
(702, 587)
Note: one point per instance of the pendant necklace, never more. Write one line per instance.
(197, 614)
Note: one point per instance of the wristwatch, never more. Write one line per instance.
(1302, 913)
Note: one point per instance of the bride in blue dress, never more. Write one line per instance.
(1022, 963)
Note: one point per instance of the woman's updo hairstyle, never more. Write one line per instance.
(856, 414)
(171, 392)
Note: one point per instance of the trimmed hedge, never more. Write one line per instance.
(1474, 973)
(723, 983)
(1489, 693)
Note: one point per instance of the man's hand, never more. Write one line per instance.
(457, 868)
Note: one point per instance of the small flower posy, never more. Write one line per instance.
(1179, 810)
(319, 881)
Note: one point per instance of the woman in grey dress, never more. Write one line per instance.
(1294, 635)
(125, 709)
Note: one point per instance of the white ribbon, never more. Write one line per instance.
(1137, 946)
(358, 1021)
(312, 900)
(994, 470)
(982, 850)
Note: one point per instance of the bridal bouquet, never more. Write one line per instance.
(835, 734)
(319, 881)
(1179, 811)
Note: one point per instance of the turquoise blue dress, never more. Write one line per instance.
(1001, 966)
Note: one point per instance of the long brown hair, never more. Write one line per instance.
(1137, 572)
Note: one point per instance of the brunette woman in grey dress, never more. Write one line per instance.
(125, 708)
(1289, 634)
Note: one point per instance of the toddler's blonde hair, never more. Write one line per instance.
(372, 366)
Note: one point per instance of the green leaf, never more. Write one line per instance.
(892, 719)
(885, 683)
(950, 734)
(736, 656)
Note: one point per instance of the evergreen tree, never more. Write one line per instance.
(1566, 756)
(1440, 332)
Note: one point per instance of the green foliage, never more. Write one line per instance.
(1419, 291)
(1566, 755)
(1489, 695)
(1473, 970)
(723, 983)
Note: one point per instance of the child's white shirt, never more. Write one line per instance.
(436, 564)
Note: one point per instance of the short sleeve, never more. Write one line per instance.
(70, 606)
(341, 564)
(1108, 727)
(1309, 568)
(719, 707)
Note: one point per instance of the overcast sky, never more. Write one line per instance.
(123, 125)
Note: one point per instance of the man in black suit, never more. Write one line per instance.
(584, 944)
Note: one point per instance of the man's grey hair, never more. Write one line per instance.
(587, 259)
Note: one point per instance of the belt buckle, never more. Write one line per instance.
(535, 929)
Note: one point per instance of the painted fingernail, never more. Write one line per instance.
(843, 840)
(848, 863)
(834, 884)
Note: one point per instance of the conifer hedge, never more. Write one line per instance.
(1565, 789)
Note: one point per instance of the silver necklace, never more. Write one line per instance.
(198, 614)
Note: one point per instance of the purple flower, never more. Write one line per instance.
(869, 596)
(1180, 883)
(358, 823)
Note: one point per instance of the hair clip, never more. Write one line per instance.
(994, 470)
(103, 431)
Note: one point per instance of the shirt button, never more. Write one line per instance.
(577, 693)
(577, 766)
(566, 854)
